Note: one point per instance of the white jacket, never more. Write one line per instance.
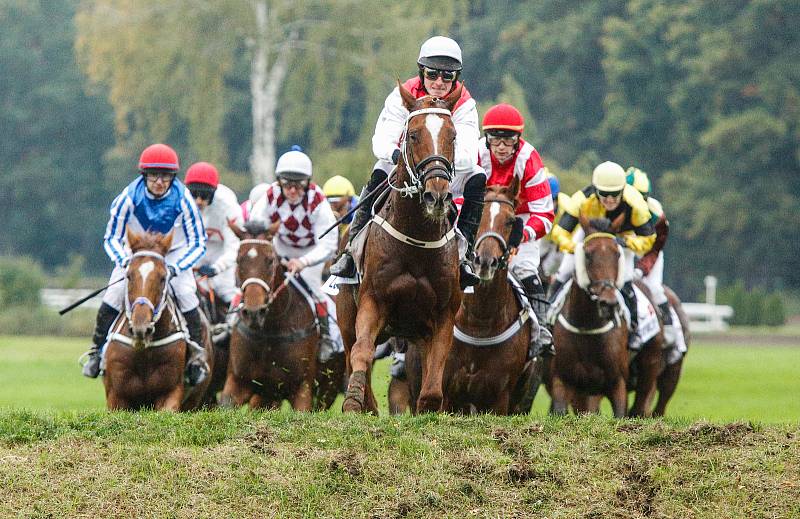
(222, 245)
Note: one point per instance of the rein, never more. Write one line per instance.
(444, 170)
(156, 309)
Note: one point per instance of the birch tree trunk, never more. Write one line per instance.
(265, 85)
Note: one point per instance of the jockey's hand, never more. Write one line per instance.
(173, 271)
(395, 156)
(295, 265)
(207, 271)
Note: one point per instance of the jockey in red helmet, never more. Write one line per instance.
(439, 69)
(505, 155)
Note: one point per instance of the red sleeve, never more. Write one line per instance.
(535, 197)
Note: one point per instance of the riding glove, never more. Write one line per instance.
(207, 271)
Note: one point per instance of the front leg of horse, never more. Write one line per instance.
(650, 364)
(435, 354)
(359, 391)
(171, 401)
(236, 392)
(303, 398)
(560, 395)
(619, 398)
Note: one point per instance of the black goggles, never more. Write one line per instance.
(164, 175)
(432, 74)
(609, 194)
(289, 182)
(202, 191)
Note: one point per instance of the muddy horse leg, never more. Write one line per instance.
(434, 356)
(359, 391)
(236, 392)
(619, 398)
(667, 383)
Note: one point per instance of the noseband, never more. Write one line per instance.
(503, 259)
(594, 287)
(156, 309)
(432, 166)
(255, 281)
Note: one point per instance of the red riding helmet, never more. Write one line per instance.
(202, 173)
(159, 156)
(503, 117)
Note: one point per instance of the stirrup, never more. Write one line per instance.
(466, 277)
(345, 266)
(90, 362)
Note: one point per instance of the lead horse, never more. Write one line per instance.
(409, 285)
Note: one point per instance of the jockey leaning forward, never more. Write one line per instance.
(439, 67)
(155, 202)
(304, 213)
(651, 265)
(505, 155)
(608, 196)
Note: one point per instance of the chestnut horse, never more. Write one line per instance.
(591, 338)
(409, 285)
(146, 354)
(486, 365)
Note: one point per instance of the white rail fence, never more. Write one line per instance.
(58, 298)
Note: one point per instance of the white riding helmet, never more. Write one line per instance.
(441, 53)
(294, 165)
(258, 192)
(609, 177)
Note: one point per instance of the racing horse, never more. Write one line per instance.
(487, 368)
(273, 349)
(590, 337)
(146, 353)
(409, 285)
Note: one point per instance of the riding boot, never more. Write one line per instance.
(197, 368)
(468, 222)
(534, 291)
(669, 328)
(327, 347)
(345, 266)
(555, 288)
(105, 317)
(629, 295)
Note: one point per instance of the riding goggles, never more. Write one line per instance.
(156, 175)
(432, 74)
(609, 194)
(508, 140)
(202, 191)
(297, 184)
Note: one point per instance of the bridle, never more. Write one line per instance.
(594, 287)
(503, 259)
(440, 166)
(145, 301)
(256, 281)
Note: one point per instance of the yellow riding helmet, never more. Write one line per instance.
(638, 179)
(608, 177)
(338, 186)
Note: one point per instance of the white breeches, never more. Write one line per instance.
(567, 267)
(183, 286)
(655, 281)
(549, 257)
(526, 262)
(223, 284)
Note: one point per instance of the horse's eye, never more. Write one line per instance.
(510, 222)
(413, 136)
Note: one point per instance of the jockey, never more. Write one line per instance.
(218, 205)
(304, 213)
(651, 265)
(504, 154)
(341, 195)
(155, 202)
(440, 66)
(607, 197)
(255, 195)
(550, 256)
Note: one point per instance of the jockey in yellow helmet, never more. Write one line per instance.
(341, 195)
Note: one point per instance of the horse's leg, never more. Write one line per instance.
(667, 383)
(619, 398)
(593, 403)
(257, 401)
(236, 392)
(650, 362)
(303, 398)
(501, 404)
(399, 396)
(434, 357)
(171, 401)
(560, 396)
(581, 403)
(368, 324)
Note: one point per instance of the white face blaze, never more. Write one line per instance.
(494, 210)
(144, 270)
(434, 124)
(252, 253)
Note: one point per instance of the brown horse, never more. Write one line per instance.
(668, 378)
(146, 354)
(273, 351)
(591, 339)
(410, 285)
(486, 365)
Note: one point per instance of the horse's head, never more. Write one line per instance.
(256, 265)
(428, 149)
(500, 231)
(147, 276)
(599, 262)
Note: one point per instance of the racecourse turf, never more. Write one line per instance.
(720, 382)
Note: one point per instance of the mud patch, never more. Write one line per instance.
(346, 462)
(737, 433)
(639, 491)
(260, 441)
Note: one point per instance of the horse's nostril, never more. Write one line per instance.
(495, 261)
(428, 198)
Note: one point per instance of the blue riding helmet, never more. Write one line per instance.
(555, 186)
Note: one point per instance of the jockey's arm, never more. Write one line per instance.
(192, 224)
(536, 192)
(326, 247)
(389, 127)
(230, 240)
(641, 240)
(114, 238)
(562, 231)
(465, 119)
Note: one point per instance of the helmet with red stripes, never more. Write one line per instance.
(202, 173)
(159, 156)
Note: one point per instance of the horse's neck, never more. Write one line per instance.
(165, 324)
(581, 310)
(488, 299)
(407, 215)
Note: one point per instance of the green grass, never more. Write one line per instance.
(720, 382)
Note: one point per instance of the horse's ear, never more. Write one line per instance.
(513, 189)
(272, 230)
(165, 242)
(408, 98)
(134, 238)
(234, 227)
(616, 225)
(453, 97)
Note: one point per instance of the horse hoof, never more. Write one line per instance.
(356, 393)
(351, 405)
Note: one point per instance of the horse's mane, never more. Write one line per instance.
(149, 241)
(600, 225)
(255, 227)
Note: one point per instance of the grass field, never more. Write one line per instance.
(721, 382)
